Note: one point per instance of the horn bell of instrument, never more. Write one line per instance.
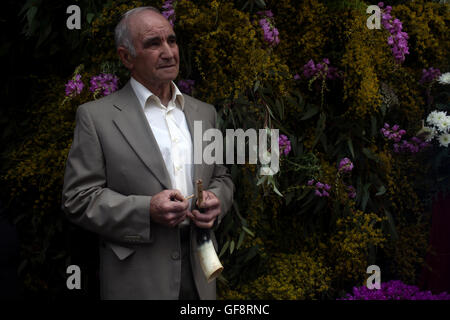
(209, 260)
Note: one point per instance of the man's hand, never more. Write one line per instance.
(168, 208)
(211, 206)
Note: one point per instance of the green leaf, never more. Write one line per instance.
(369, 154)
(89, 17)
(261, 180)
(304, 193)
(320, 205)
(251, 254)
(323, 140)
(28, 4)
(236, 209)
(222, 279)
(381, 191)
(350, 147)
(320, 127)
(277, 191)
(228, 224)
(279, 108)
(365, 196)
(44, 35)
(310, 112)
(289, 197)
(299, 96)
(224, 248)
(22, 266)
(373, 127)
(271, 180)
(256, 86)
(260, 3)
(310, 198)
(241, 239)
(31, 14)
(282, 110)
(231, 246)
(248, 231)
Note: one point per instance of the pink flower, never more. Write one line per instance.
(321, 189)
(345, 165)
(285, 144)
(74, 86)
(270, 33)
(186, 86)
(104, 83)
(169, 12)
(398, 38)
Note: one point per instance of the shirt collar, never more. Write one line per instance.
(143, 94)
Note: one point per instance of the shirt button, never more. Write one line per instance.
(175, 255)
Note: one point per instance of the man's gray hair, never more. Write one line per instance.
(122, 34)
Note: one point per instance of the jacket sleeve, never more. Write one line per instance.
(221, 184)
(86, 199)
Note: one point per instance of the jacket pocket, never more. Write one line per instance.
(121, 252)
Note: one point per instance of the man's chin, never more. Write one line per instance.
(169, 76)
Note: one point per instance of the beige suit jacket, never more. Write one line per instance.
(113, 168)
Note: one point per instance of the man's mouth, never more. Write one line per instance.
(167, 66)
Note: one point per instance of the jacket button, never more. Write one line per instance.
(175, 255)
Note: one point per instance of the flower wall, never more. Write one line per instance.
(349, 193)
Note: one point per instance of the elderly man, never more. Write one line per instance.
(130, 168)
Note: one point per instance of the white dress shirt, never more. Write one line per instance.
(169, 126)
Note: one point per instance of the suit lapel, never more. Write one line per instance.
(132, 123)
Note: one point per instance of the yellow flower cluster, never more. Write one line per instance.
(411, 99)
(408, 252)
(228, 51)
(289, 277)
(102, 31)
(39, 161)
(303, 27)
(350, 243)
(401, 189)
(366, 58)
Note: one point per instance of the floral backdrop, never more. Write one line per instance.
(364, 139)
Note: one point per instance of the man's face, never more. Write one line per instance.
(157, 56)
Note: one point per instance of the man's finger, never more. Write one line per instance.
(204, 217)
(204, 225)
(175, 195)
(211, 203)
(209, 200)
(177, 206)
(176, 221)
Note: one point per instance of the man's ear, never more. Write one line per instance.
(125, 57)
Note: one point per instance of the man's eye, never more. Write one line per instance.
(152, 43)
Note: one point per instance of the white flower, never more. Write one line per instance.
(266, 171)
(444, 124)
(428, 133)
(444, 139)
(265, 157)
(444, 78)
(436, 117)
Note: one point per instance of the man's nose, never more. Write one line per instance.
(167, 51)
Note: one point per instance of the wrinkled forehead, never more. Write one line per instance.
(148, 23)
